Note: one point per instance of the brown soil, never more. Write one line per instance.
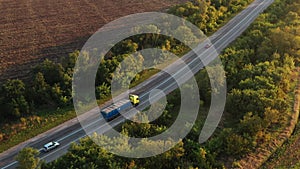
(32, 30)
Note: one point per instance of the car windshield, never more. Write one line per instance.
(49, 144)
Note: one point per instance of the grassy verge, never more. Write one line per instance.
(31, 126)
(144, 75)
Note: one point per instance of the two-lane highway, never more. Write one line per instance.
(72, 131)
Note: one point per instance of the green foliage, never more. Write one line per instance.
(237, 145)
(52, 72)
(127, 70)
(199, 156)
(52, 82)
(70, 61)
(40, 91)
(142, 129)
(57, 95)
(84, 155)
(88, 154)
(14, 101)
(208, 15)
(16, 132)
(27, 159)
(125, 47)
(251, 124)
(102, 91)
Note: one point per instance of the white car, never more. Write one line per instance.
(51, 145)
(208, 45)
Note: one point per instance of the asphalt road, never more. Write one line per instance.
(72, 131)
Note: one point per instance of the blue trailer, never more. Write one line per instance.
(114, 110)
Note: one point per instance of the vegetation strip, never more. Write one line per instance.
(262, 154)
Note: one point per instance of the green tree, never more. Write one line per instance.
(53, 73)
(70, 61)
(40, 91)
(28, 159)
(168, 159)
(85, 154)
(200, 156)
(237, 145)
(58, 96)
(15, 104)
(102, 91)
(104, 72)
(126, 72)
(124, 47)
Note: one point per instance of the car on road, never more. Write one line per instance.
(207, 45)
(51, 145)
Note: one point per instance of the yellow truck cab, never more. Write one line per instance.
(134, 99)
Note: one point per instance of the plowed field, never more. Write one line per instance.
(32, 30)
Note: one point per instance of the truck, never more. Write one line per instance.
(112, 111)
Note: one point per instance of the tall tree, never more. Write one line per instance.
(14, 94)
(28, 159)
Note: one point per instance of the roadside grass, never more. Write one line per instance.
(31, 126)
(144, 75)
